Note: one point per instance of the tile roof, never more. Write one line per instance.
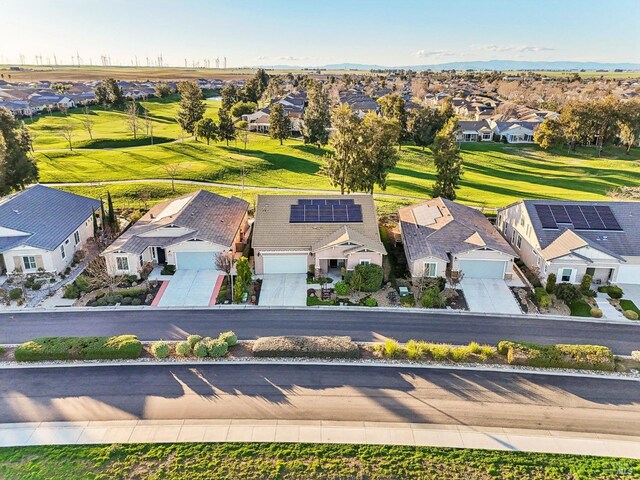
(272, 227)
(47, 215)
(208, 216)
(438, 227)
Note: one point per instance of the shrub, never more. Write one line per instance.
(603, 288)
(371, 275)
(193, 339)
(242, 108)
(596, 313)
(540, 292)
(168, 270)
(160, 349)
(475, 348)
(585, 284)
(592, 357)
(371, 302)
(302, 346)
(230, 338)
(631, 315)
(341, 288)
(200, 350)
(459, 354)
(415, 349)
(133, 292)
(568, 293)
(408, 301)
(439, 351)
(79, 348)
(127, 301)
(432, 298)
(15, 294)
(589, 292)
(487, 352)
(36, 286)
(551, 283)
(615, 291)
(136, 302)
(217, 348)
(545, 301)
(183, 349)
(391, 348)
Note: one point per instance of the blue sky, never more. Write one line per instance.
(310, 32)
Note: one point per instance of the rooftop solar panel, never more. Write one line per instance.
(546, 217)
(325, 211)
(331, 201)
(304, 201)
(346, 201)
(609, 220)
(560, 214)
(592, 217)
(577, 218)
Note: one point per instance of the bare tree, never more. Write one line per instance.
(98, 275)
(87, 121)
(63, 108)
(132, 119)
(224, 263)
(244, 137)
(143, 196)
(66, 132)
(148, 125)
(172, 170)
(455, 278)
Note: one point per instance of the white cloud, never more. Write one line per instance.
(512, 48)
(435, 54)
(284, 58)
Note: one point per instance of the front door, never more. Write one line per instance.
(162, 257)
(333, 263)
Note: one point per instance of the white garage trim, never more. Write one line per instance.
(196, 260)
(483, 268)
(284, 264)
(628, 274)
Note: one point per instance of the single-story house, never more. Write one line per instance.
(188, 232)
(474, 131)
(441, 237)
(514, 132)
(571, 239)
(41, 228)
(292, 233)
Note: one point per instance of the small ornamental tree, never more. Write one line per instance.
(551, 283)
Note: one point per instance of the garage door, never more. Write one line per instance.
(196, 260)
(285, 264)
(628, 274)
(482, 268)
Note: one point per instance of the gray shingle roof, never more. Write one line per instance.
(48, 215)
(624, 243)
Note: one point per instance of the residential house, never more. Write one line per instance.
(474, 131)
(187, 232)
(441, 237)
(293, 105)
(359, 102)
(571, 239)
(293, 233)
(514, 132)
(41, 228)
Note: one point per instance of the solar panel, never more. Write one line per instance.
(577, 218)
(318, 202)
(560, 214)
(346, 201)
(589, 212)
(311, 213)
(354, 213)
(331, 201)
(304, 201)
(340, 213)
(325, 211)
(545, 216)
(609, 220)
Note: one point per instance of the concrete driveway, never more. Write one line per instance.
(189, 288)
(489, 296)
(284, 290)
(631, 292)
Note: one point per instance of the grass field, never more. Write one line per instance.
(299, 461)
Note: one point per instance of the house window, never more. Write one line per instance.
(76, 237)
(122, 263)
(141, 261)
(430, 269)
(519, 241)
(365, 262)
(565, 274)
(29, 263)
(62, 252)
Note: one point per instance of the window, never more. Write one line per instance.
(29, 263)
(76, 237)
(519, 241)
(522, 221)
(122, 263)
(141, 261)
(430, 269)
(62, 252)
(565, 274)
(365, 262)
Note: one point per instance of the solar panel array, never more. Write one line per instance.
(581, 217)
(325, 211)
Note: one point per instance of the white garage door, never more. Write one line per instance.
(482, 268)
(196, 260)
(285, 264)
(628, 274)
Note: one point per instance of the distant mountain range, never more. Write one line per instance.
(503, 65)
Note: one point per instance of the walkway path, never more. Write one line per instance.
(609, 312)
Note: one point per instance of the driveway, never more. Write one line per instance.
(489, 296)
(189, 288)
(631, 292)
(284, 290)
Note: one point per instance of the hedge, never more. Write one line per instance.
(79, 348)
(160, 349)
(590, 357)
(300, 346)
(230, 338)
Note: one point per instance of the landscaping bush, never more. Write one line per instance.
(200, 350)
(596, 313)
(603, 288)
(371, 302)
(341, 288)
(133, 292)
(391, 348)
(168, 270)
(136, 302)
(160, 349)
(193, 339)
(474, 347)
(631, 315)
(372, 276)
(183, 349)
(408, 301)
(432, 298)
(217, 348)
(15, 294)
(127, 301)
(585, 283)
(36, 286)
(301, 346)
(629, 305)
(592, 357)
(459, 354)
(415, 350)
(615, 291)
(543, 298)
(230, 338)
(551, 283)
(79, 348)
(568, 293)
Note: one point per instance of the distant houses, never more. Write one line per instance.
(490, 130)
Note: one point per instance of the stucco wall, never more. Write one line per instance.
(417, 267)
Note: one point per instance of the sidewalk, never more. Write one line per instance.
(170, 431)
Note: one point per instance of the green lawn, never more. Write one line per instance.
(629, 305)
(580, 309)
(299, 461)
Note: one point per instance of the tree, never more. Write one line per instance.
(548, 134)
(224, 263)
(207, 129)
(243, 272)
(423, 126)
(377, 154)
(447, 160)
(95, 223)
(111, 214)
(226, 128)
(98, 276)
(629, 123)
(279, 123)
(242, 108)
(606, 114)
(393, 107)
(66, 132)
(162, 90)
(342, 165)
(17, 167)
(87, 121)
(317, 116)
(446, 109)
(172, 170)
(109, 93)
(132, 119)
(229, 96)
(148, 125)
(192, 107)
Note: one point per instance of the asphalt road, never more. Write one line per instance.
(307, 392)
(361, 325)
